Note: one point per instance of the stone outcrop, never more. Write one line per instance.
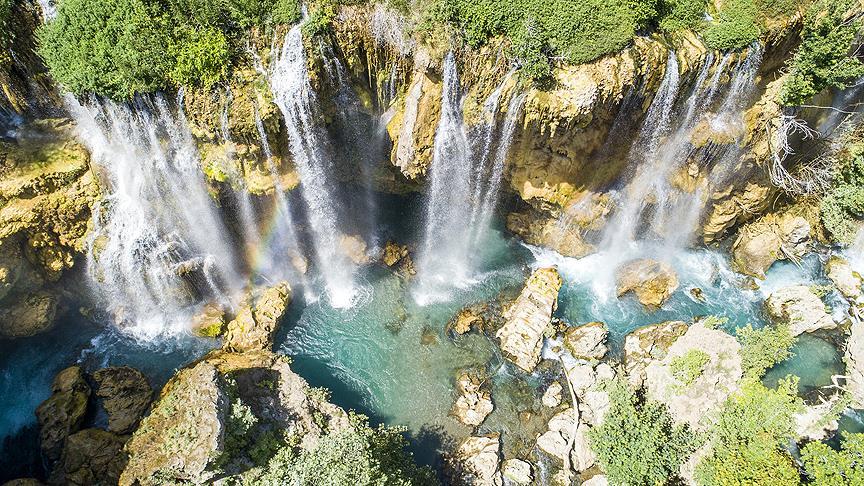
(412, 128)
(769, 239)
(799, 308)
(847, 280)
(653, 282)
(854, 358)
(477, 461)
(552, 396)
(587, 341)
(397, 256)
(253, 327)
(550, 233)
(474, 403)
(209, 321)
(467, 319)
(126, 395)
(62, 414)
(708, 388)
(91, 457)
(528, 318)
(566, 440)
(647, 344)
(518, 471)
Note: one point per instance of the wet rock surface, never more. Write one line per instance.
(63, 412)
(769, 239)
(253, 327)
(653, 282)
(126, 396)
(91, 457)
(847, 280)
(474, 403)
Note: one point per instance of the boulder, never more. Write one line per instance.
(63, 412)
(647, 344)
(769, 239)
(474, 403)
(847, 280)
(91, 457)
(397, 256)
(653, 282)
(587, 341)
(529, 317)
(518, 471)
(465, 320)
(476, 461)
(257, 319)
(210, 321)
(354, 248)
(567, 439)
(854, 358)
(800, 308)
(30, 316)
(552, 396)
(586, 381)
(126, 396)
(537, 230)
(694, 395)
(597, 480)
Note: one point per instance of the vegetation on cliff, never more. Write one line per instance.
(843, 205)
(825, 465)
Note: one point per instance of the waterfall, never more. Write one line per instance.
(158, 245)
(465, 178)
(289, 82)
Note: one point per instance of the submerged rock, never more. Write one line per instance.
(799, 308)
(552, 396)
(647, 344)
(769, 239)
(653, 282)
(354, 248)
(587, 341)
(63, 412)
(257, 319)
(474, 403)
(518, 471)
(529, 317)
(465, 320)
(126, 396)
(91, 457)
(847, 280)
(476, 461)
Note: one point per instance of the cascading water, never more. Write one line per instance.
(289, 82)
(158, 244)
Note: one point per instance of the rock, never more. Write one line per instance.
(412, 128)
(476, 461)
(185, 435)
(767, 240)
(397, 256)
(32, 315)
(465, 320)
(24, 482)
(527, 319)
(652, 281)
(518, 471)
(847, 280)
(475, 400)
(818, 422)
(735, 207)
(257, 319)
(63, 412)
(354, 248)
(586, 381)
(800, 309)
(598, 480)
(707, 389)
(564, 427)
(126, 396)
(91, 457)
(854, 358)
(647, 344)
(587, 341)
(210, 321)
(537, 230)
(552, 395)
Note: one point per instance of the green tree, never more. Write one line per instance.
(763, 348)
(734, 27)
(843, 206)
(828, 467)
(637, 443)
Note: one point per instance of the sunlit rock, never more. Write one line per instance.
(799, 308)
(518, 471)
(354, 248)
(397, 256)
(769, 239)
(818, 421)
(209, 321)
(597, 480)
(647, 344)
(466, 320)
(653, 282)
(474, 403)
(847, 280)
(552, 396)
(854, 359)
(529, 317)
(476, 461)
(587, 341)
(257, 319)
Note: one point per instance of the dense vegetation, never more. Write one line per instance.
(122, 47)
(637, 443)
(827, 466)
(823, 59)
(763, 348)
(843, 206)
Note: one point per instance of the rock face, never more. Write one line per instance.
(847, 280)
(253, 327)
(800, 308)
(465, 320)
(474, 403)
(536, 230)
(854, 358)
(397, 256)
(767, 240)
(518, 471)
(126, 396)
(648, 344)
(63, 412)
(210, 321)
(566, 440)
(412, 129)
(552, 396)
(476, 461)
(652, 281)
(693, 398)
(91, 457)
(527, 319)
(587, 341)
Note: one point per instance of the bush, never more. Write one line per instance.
(822, 60)
(689, 366)
(734, 27)
(747, 439)
(202, 57)
(826, 466)
(763, 348)
(843, 206)
(637, 443)
(682, 14)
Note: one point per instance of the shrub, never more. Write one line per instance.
(689, 366)
(843, 205)
(682, 14)
(637, 443)
(763, 348)
(826, 466)
(822, 60)
(202, 57)
(734, 27)
(747, 439)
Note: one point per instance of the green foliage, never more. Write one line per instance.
(689, 366)
(734, 27)
(5, 25)
(822, 60)
(637, 443)
(714, 322)
(754, 425)
(763, 348)
(202, 57)
(682, 14)
(828, 467)
(843, 206)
